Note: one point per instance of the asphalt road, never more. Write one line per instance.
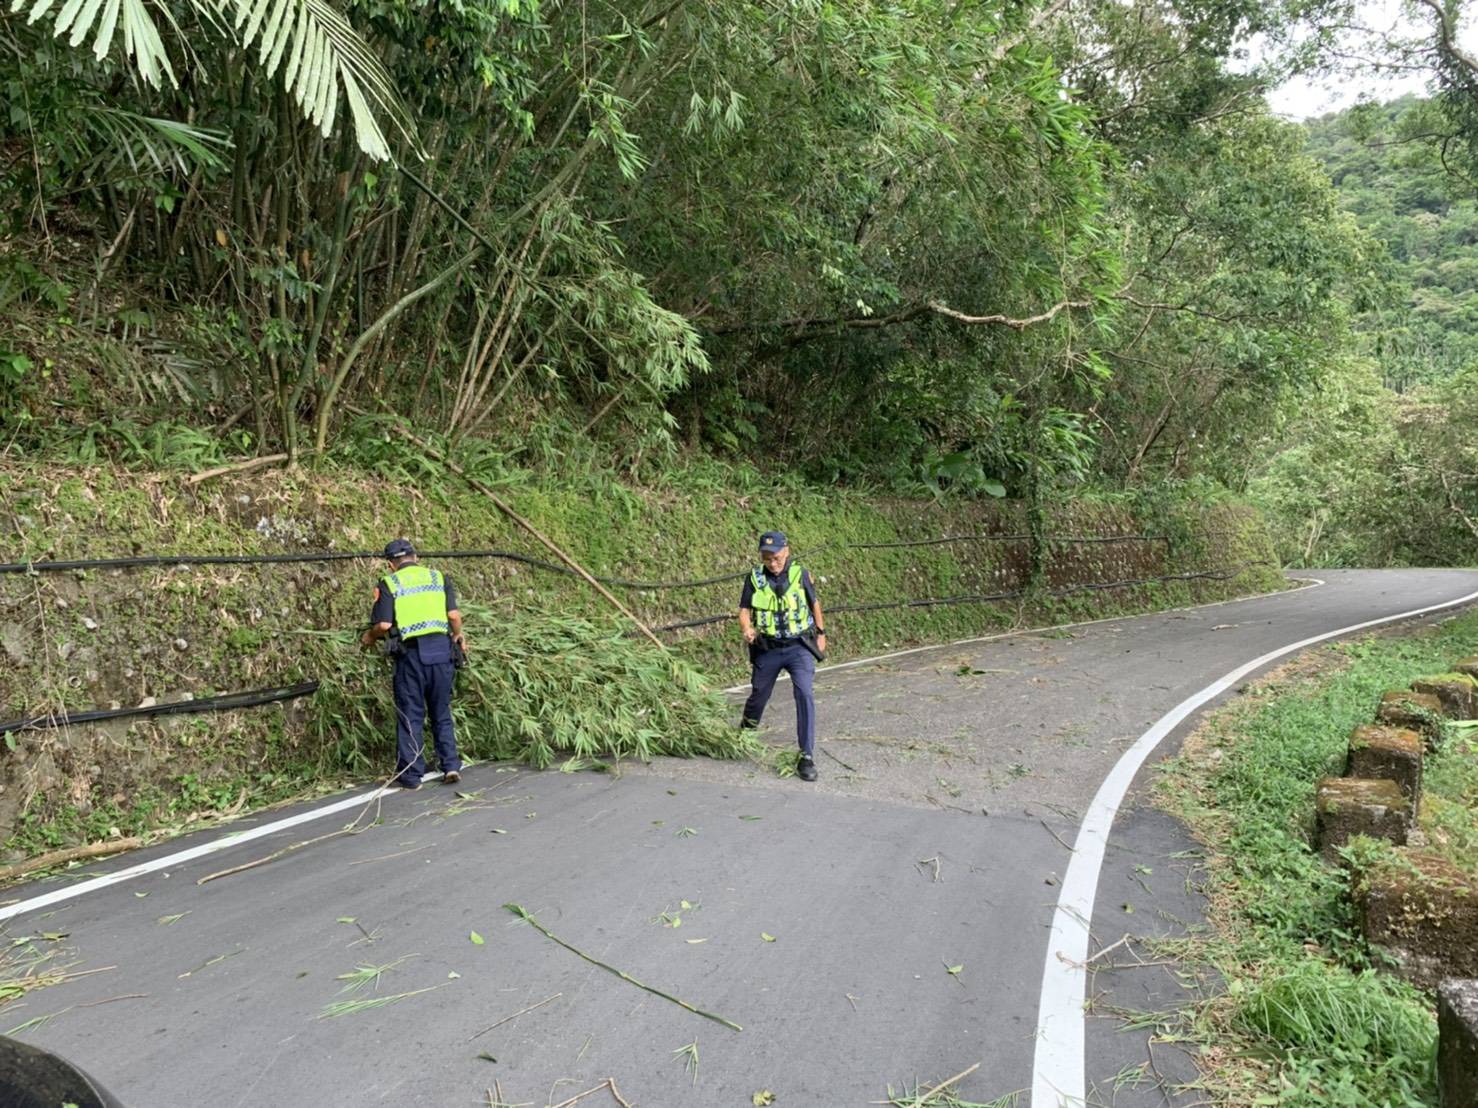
(885, 926)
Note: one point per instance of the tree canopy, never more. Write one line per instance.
(989, 247)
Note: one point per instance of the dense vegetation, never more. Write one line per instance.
(1379, 469)
(876, 242)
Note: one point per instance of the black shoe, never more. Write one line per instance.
(805, 768)
(400, 783)
(748, 724)
(450, 777)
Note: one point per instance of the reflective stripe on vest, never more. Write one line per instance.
(780, 616)
(420, 601)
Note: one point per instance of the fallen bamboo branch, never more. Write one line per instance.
(609, 1083)
(527, 917)
(276, 854)
(350, 829)
(242, 467)
(70, 854)
(507, 509)
(837, 760)
(921, 1099)
(515, 1015)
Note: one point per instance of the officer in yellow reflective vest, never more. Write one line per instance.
(778, 611)
(417, 608)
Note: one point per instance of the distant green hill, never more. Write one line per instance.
(1386, 161)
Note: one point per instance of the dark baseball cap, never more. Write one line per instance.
(772, 541)
(399, 548)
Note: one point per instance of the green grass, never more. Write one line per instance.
(1304, 997)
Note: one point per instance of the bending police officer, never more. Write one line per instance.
(416, 608)
(778, 612)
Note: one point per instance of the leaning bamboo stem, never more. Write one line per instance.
(507, 509)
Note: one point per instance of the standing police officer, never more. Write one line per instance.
(417, 608)
(778, 610)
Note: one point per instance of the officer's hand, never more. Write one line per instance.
(460, 639)
(750, 634)
(365, 642)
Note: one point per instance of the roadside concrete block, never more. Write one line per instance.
(1422, 911)
(1456, 692)
(1468, 666)
(1457, 1043)
(1394, 753)
(1419, 712)
(1348, 806)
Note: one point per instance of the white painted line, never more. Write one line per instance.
(215, 846)
(1058, 1067)
(1308, 583)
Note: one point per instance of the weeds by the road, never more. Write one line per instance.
(1306, 1018)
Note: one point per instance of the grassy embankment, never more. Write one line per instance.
(555, 676)
(1307, 1017)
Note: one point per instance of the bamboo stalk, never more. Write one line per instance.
(519, 911)
(70, 854)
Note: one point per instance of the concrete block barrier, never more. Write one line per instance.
(1422, 911)
(1457, 694)
(1348, 806)
(1457, 1049)
(1394, 753)
(1419, 712)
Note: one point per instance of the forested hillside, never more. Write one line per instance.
(1386, 161)
(995, 250)
(1378, 467)
(878, 242)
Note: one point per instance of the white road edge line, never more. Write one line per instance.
(1059, 1063)
(169, 861)
(1308, 583)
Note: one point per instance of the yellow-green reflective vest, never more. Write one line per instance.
(420, 601)
(784, 615)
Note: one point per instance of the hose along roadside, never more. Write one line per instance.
(260, 697)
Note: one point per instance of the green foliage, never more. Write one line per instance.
(1351, 1039)
(1371, 478)
(1390, 173)
(877, 243)
(538, 689)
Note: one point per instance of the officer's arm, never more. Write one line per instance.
(820, 622)
(376, 632)
(454, 617)
(746, 624)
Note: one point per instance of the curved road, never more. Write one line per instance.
(911, 916)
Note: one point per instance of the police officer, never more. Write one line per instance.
(778, 611)
(417, 608)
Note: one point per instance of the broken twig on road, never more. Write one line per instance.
(515, 1015)
(527, 917)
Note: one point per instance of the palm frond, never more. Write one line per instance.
(143, 142)
(311, 43)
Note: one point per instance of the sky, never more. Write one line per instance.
(1305, 97)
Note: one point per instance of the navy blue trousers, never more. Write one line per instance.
(797, 661)
(423, 689)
